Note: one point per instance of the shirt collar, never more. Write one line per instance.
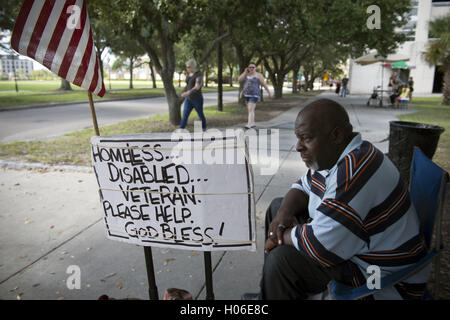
(355, 143)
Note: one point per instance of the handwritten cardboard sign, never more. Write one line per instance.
(153, 195)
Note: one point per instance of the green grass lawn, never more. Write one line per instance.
(431, 111)
(41, 92)
(7, 87)
(74, 148)
(36, 86)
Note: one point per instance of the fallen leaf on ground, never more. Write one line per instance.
(166, 262)
(119, 285)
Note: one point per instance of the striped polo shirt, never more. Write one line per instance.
(361, 211)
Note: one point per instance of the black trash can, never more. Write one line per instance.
(404, 135)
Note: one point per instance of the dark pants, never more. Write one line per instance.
(289, 275)
(188, 106)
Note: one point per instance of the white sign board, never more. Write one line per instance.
(176, 193)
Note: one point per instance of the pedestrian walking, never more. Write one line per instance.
(338, 87)
(253, 81)
(193, 94)
(344, 86)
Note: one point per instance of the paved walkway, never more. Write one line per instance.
(52, 220)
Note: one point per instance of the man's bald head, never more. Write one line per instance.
(325, 115)
(323, 130)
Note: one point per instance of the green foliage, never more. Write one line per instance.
(439, 50)
(9, 9)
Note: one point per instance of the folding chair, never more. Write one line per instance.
(427, 190)
(403, 99)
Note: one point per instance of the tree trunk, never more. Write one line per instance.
(173, 100)
(277, 79)
(165, 69)
(219, 72)
(100, 61)
(278, 88)
(131, 72)
(65, 85)
(295, 79)
(152, 74)
(446, 91)
(231, 75)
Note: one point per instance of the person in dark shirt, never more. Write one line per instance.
(344, 86)
(411, 88)
(193, 94)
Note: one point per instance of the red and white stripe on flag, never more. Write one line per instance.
(57, 34)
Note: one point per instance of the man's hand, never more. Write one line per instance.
(285, 239)
(185, 94)
(276, 230)
(270, 244)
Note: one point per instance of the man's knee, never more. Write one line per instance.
(277, 259)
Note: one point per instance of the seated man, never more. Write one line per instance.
(349, 211)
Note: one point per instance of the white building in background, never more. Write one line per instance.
(10, 64)
(427, 79)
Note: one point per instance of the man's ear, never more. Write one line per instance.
(338, 135)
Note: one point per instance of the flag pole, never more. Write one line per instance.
(152, 288)
(94, 116)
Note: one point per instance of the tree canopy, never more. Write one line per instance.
(282, 36)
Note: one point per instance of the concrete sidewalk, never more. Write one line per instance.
(52, 220)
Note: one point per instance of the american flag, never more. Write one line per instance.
(58, 34)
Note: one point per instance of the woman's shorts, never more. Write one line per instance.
(251, 99)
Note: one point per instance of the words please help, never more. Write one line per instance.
(185, 192)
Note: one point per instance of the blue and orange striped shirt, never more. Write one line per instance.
(361, 211)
